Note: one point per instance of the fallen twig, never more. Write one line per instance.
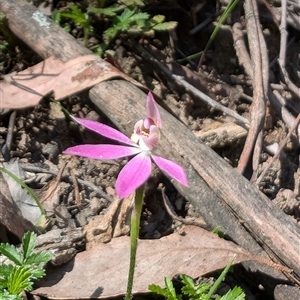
(241, 49)
(68, 179)
(259, 57)
(173, 215)
(282, 53)
(76, 189)
(279, 104)
(9, 137)
(282, 144)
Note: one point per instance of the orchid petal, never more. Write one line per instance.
(152, 110)
(133, 175)
(102, 151)
(151, 141)
(172, 169)
(138, 125)
(104, 130)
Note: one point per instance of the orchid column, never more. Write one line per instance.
(133, 176)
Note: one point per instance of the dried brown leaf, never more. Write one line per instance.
(10, 215)
(27, 87)
(102, 270)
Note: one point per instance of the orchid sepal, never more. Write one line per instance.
(104, 130)
(103, 151)
(152, 110)
(172, 169)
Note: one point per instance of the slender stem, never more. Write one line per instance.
(134, 234)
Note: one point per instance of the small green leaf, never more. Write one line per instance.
(56, 16)
(100, 49)
(171, 290)
(133, 3)
(158, 19)
(28, 244)
(11, 252)
(158, 290)
(165, 26)
(218, 230)
(111, 33)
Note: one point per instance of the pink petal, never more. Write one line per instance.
(102, 151)
(133, 175)
(152, 110)
(172, 169)
(104, 130)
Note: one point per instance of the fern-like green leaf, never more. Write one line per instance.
(168, 292)
(37, 273)
(5, 295)
(126, 15)
(28, 244)
(128, 18)
(38, 258)
(139, 16)
(56, 16)
(19, 280)
(235, 294)
(75, 14)
(202, 288)
(191, 290)
(11, 252)
(187, 281)
(5, 270)
(110, 11)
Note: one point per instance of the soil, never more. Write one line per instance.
(41, 133)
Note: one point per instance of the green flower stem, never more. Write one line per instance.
(134, 235)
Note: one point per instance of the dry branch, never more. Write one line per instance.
(216, 190)
(205, 167)
(259, 58)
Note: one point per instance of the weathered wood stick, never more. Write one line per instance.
(216, 190)
(270, 226)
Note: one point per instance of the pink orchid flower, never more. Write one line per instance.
(145, 137)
